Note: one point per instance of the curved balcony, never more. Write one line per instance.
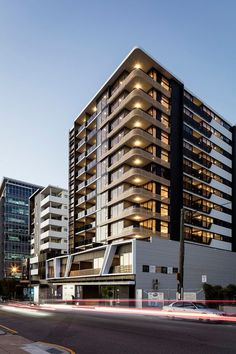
(140, 157)
(137, 176)
(134, 98)
(144, 120)
(137, 76)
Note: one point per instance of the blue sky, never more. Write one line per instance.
(55, 54)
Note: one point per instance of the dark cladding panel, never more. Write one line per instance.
(234, 188)
(176, 158)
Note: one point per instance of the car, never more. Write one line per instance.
(193, 307)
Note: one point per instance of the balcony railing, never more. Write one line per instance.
(197, 109)
(197, 141)
(85, 227)
(81, 200)
(196, 173)
(82, 142)
(198, 222)
(81, 128)
(197, 206)
(190, 121)
(91, 179)
(81, 272)
(197, 157)
(80, 157)
(81, 185)
(121, 269)
(91, 149)
(200, 191)
(93, 116)
(91, 134)
(91, 164)
(91, 210)
(198, 239)
(91, 195)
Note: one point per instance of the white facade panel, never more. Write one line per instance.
(221, 158)
(52, 222)
(219, 215)
(34, 271)
(221, 129)
(53, 245)
(54, 234)
(221, 244)
(221, 143)
(34, 260)
(50, 198)
(221, 201)
(55, 211)
(220, 186)
(219, 171)
(221, 230)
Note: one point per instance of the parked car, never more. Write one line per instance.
(194, 307)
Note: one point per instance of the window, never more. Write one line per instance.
(165, 102)
(164, 155)
(164, 210)
(165, 120)
(165, 83)
(146, 268)
(164, 227)
(164, 137)
(164, 192)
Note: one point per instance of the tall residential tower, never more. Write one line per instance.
(140, 151)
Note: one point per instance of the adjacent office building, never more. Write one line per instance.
(142, 149)
(14, 228)
(48, 225)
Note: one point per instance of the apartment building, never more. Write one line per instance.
(14, 226)
(141, 150)
(49, 231)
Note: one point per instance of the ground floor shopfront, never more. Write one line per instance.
(135, 269)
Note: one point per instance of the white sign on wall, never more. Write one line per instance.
(190, 296)
(156, 298)
(204, 278)
(152, 269)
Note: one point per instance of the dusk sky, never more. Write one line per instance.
(55, 55)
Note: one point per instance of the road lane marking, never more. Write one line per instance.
(59, 346)
(12, 331)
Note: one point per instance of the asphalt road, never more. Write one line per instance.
(90, 332)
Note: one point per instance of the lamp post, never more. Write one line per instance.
(180, 274)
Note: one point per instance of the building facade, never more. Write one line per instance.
(14, 228)
(48, 229)
(143, 149)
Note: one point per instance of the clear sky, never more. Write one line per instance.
(55, 54)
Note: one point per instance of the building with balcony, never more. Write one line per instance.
(140, 151)
(48, 224)
(14, 226)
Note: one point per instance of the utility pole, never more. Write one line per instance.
(180, 289)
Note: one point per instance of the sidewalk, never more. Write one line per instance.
(11, 342)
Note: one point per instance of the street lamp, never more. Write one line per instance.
(14, 270)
